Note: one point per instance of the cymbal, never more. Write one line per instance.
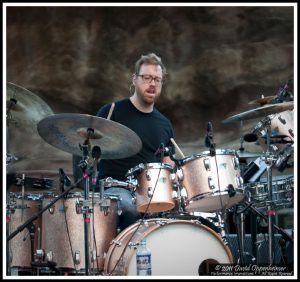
(69, 132)
(261, 112)
(262, 101)
(24, 110)
(247, 155)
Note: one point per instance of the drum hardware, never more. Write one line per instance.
(240, 225)
(255, 170)
(10, 158)
(257, 239)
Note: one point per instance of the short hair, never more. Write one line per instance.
(150, 59)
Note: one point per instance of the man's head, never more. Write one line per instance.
(148, 77)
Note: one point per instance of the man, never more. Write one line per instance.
(140, 115)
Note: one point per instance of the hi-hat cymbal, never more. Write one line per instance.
(247, 155)
(261, 112)
(69, 132)
(262, 101)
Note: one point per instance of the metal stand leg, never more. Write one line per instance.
(270, 212)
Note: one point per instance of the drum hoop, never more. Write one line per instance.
(207, 153)
(143, 166)
(73, 195)
(28, 196)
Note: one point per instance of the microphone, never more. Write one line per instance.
(209, 135)
(96, 153)
(209, 142)
(64, 180)
(250, 137)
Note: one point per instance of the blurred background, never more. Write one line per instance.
(76, 59)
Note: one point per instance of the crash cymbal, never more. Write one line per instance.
(25, 148)
(261, 112)
(247, 155)
(24, 108)
(69, 132)
(262, 101)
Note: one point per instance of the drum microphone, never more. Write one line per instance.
(64, 179)
(96, 153)
(250, 137)
(209, 143)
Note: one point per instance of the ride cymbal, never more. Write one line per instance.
(69, 132)
(260, 112)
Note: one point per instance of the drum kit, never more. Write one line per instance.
(52, 230)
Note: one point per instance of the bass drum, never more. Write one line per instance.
(178, 247)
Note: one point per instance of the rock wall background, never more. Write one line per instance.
(218, 59)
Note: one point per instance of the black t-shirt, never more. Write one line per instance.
(152, 128)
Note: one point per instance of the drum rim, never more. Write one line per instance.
(207, 153)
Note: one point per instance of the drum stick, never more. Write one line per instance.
(177, 148)
(111, 110)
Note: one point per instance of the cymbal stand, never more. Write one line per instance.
(240, 226)
(269, 160)
(85, 210)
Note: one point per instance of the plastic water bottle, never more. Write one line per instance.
(143, 260)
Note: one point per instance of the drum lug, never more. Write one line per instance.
(78, 206)
(206, 163)
(239, 181)
(148, 176)
(93, 256)
(39, 254)
(183, 193)
(77, 257)
(282, 120)
(291, 132)
(174, 195)
(150, 192)
(235, 162)
(211, 183)
(51, 210)
(134, 200)
(180, 174)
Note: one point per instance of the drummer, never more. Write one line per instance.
(140, 115)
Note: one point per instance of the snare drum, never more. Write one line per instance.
(178, 247)
(20, 208)
(282, 192)
(281, 124)
(63, 230)
(211, 183)
(154, 191)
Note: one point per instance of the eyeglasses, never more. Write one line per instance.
(147, 78)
